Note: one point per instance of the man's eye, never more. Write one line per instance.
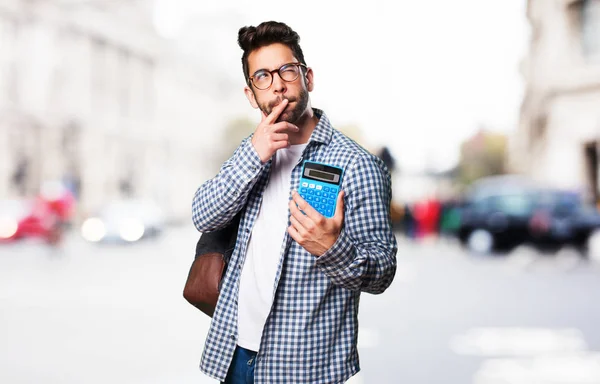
(261, 76)
(289, 68)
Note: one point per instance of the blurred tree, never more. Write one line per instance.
(482, 155)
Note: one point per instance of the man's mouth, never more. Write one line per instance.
(275, 104)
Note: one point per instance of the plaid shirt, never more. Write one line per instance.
(311, 333)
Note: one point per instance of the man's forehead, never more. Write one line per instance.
(270, 57)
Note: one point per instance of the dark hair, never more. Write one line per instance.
(267, 33)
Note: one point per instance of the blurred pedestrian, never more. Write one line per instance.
(408, 222)
(288, 307)
(427, 213)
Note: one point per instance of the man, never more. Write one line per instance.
(287, 311)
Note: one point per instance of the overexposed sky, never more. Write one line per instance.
(418, 76)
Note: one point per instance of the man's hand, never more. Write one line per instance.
(313, 231)
(270, 136)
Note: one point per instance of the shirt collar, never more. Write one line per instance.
(323, 130)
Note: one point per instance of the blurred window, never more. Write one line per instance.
(590, 29)
(126, 62)
(559, 202)
(8, 64)
(517, 205)
(483, 205)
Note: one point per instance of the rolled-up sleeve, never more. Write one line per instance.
(219, 199)
(364, 255)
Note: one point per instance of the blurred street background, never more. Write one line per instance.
(83, 313)
(487, 113)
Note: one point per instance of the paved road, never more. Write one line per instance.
(114, 314)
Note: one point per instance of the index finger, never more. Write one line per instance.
(305, 207)
(276, 112)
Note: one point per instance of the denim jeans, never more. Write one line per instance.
(241, 370)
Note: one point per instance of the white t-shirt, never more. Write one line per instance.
(264, 250)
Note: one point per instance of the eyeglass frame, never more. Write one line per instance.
(272, 73)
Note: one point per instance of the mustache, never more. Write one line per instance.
(278, 101)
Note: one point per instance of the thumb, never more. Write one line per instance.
(339, 208)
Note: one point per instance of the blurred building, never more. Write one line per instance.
(558, 138)
(90, 94)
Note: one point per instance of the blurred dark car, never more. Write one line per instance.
(502, 212)
(561, 217)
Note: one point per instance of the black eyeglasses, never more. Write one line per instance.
(262, 79)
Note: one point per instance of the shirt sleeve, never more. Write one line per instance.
(364, 255)
(219, 199)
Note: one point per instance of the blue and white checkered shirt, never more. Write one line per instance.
(311, 333)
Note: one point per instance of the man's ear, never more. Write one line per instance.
(250, 97)
(309, 76)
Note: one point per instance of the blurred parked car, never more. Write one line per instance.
(21, 219)
(505, 211)
(127, 220)
(46, 216)
(561, 217)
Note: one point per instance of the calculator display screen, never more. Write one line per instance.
(322, 175)
(315, 174)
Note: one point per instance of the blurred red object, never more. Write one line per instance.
(427, 214)
(46, 216)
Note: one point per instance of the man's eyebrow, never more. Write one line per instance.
(279, 66)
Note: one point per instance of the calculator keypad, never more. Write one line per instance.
(321, 198)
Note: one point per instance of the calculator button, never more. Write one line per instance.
(302, 190)
(311, 186)
(319, 187)
(330, 202)
(329, 212)
(326, 189)
(310, 191)
(318, 193)
(322, 206)
(305, 184)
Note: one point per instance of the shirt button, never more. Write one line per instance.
(247, 230)
(232, 337)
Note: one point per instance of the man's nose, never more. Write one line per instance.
(278, 83)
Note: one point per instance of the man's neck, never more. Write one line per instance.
(307, 123)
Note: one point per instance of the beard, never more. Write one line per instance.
(291, 116)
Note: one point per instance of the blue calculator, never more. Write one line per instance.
(319, 186)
